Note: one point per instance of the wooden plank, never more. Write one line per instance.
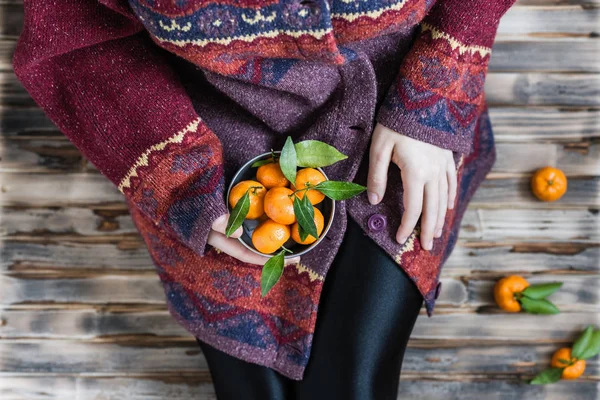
(72, 221)
(496, 390)
(35, 387)
(97, 290)
(49, 190)
(494, 260)
(40, 155)
(570, 55)
(186, 387)
(28, 122)
(64, 356)
(515, 225)
(535, 89)
(448, 325)
(579, 292)
(7, 47)
(159, 388)
(514, 192)
(83, 324)
(423, 358)
(581, 158)
(33, 257)
(13, 93)
(105, 322)
(544, 123)
(40, 189)
(549, 22)
(11, 15)
(548, 3)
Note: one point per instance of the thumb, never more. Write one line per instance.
(220, 225)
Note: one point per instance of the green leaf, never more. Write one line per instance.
(305, 215)
(593, 347)
(337, 190)
(582, 342)
(302, 233)
(315, 154)
(549, 375)
(271, 272)
(238, 214)
(287, 160)
(538, 306)
(260, 163)
(541, 290)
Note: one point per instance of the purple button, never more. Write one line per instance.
(438, 289)
(377, 223)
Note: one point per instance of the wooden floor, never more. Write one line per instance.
(82, 315)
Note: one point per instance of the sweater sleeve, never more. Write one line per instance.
(97, 75)
(438, 94)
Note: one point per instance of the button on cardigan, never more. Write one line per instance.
(169, 98)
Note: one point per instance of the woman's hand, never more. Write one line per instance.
(233, 247)
(428, 175)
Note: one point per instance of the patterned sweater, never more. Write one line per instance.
(168, 98)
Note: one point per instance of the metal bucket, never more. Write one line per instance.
(327, 208)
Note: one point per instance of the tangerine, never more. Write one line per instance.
(505, 289)
(573, 369)
(270, 236)
(319, 222)
(270, 176)
(279, 205)
(548, 184)
(309, 177)
(257, 195)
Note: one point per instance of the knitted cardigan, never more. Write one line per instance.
(168, 98)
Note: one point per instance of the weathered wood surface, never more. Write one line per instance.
(474, 258)
(82, 313)
(192, 387)
(105, 358)
(579, 292)
(80, 322)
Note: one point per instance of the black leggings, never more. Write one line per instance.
(367, 312)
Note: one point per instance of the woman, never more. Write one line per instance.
(169, 98)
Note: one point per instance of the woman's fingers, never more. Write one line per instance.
(413, 204)
(236, 250)
(220, 225)
(452, 184)
(380, 155)
(430, 213)
(443, 204)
